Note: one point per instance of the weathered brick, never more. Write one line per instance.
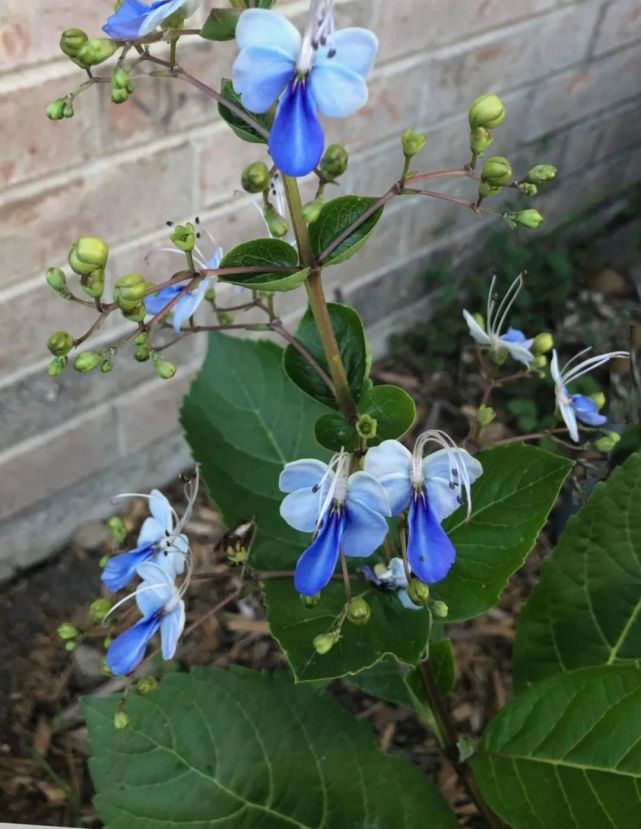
(603, 136)
(620, 26)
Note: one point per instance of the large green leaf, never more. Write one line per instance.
(511, 502)
(586, 608)
(353, 347)
(391, 631)
(244, 419)
(239, 125)
(243, 750)
(335, 218)
(567, 753)
(264, 254)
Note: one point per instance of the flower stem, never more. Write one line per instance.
(318, 303)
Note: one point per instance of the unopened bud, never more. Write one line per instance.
(88, 254)
(412, 143)
(486, 190)
(541, 173)
(142, 353)
(419, 592)
(358, 611)
(71, 646)
(184, 237)
(57, 366)
(164, 369)
(497, 171)
(325, 642)
(276, 224)
(121, 79)
(129, 291)
(480, 140)
(93, 284)
(543, 343)
(136, 314)
(528, 189)
(60, 343)
(68, 631)
(68, 110)
(146, 685)
(87, 361)
(599, 399)
(539, 363)
(119, 96)
(607, 442)
(485, 416)
(107, 364)
(121, 721)
(310, 601)
(486, 111)
(225, 318)
(440, 610)
(312, 210)
(527, 218)
(117, 528)
(96, 50)
(71, 40)
(334, 161)
(98, 610)
(366, 426)
(255, 177)
(57, 281)
(55, 111)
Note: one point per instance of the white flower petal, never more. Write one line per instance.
(301, 509)
(301, 474)
(171, 627)
(476, 331)
(160, 509)
(388, 457)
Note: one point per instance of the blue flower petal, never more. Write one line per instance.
(263, 28)
(364, 488)
(301, 509)
(296, 140)
(513, 335)
(154, 303)
(126, 22)
(260, 75)
(127, 650)
(405, 600)
(337, 90)
(151, 532)
(160, 509)
(354, 48)
(121, 569)
(429, 551)
(391, 463)
(586, 410)
(155, 590)
(301, 474)
(365, 529)
(158, 12)
(316, 565)
(442, 484)
(188, 304)
(171, 626)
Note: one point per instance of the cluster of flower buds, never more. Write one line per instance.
(86, 51)
(121, 85)
(486, 112)
(332, 166)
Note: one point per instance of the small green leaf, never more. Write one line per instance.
(239, 126)
(392, 630)
(586, 608)
(221, 24)
(335, 218)
(246, 750)
(566, 753)
(353, 347)
(333, 432)
(264, 254)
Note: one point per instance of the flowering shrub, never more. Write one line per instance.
(362, 548)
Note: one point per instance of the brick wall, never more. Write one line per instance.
(568, 71)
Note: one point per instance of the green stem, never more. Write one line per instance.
(318, 303)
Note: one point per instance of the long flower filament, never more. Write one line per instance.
(496, 317)
(319, 28)
(459, 476)
(338, 469)
(588, 365)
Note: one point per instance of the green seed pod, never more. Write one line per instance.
(527, 218)
(325, 642)
(543, 343)
(312, 210)
(486, 111)
(68, 631)
(57, 366)
(440, 610)
(276, 224)
(93, 284)
(497, 171)
(95, 51)
(164, 369)
(184, 237)
(412, 143)
(88, 254)
(71, 40)
(57, 281)
(87, 361)
(419, 592)
(334, 161)
(255, 177)
(310, 601)
(485, 416)
(99, 609)
(599, 399)
(117, 528)
(129, 290)
(541, 173)
(60, 343)
(146, 685)
(366, 426)
(358, 611)
(121, 721)
(55, 111)
(607, 442)
(480, 140)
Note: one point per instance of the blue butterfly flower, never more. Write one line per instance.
(134, 20)
(432, 488)
(345, 512)
(162, 608)
(575, 407)
(322, 73)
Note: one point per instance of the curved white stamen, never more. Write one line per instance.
(589, 365)
(319, 28)
(444, 441)
(490, 305)
(139, 589)
(338, 468)
(506, 304)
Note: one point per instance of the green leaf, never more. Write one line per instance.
(264, 254)
(221, 24)
(335, 218)
(511, 502)
(249, 751)
(586, 608)
(442, 659)
(391, 631)
(386, 680)
(333, 432)
(240, 127)
(244, 420)
(353, 348)
(567, 753)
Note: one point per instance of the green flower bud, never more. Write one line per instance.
(93, 284)
(87, 361)
(55, 111)
(57, 281)
(121, 79)
(412, 143)
(485, 416)
(136, 314)
(119, 96)
(60, 343)
(419, 592)
(334, 161)
(486, 111)
(210, 294)
(104, 669)
(358, 611)
(225, 318)
(88, 254)
(312, 210)
(543, 343)
(497, 171)
(607, 442)
(57, 366)
(71, 646)
(539, 363)
(142, 353)
(184, 237)
(325, 642)
(95, 51)
(255, 177)
(98, 610)
(310, 601)
(68, 110)
(440, 610)
(527, 218)
(71, 40)
(140, 339)
(541, 173)
(68, 631)
(164, 369)
(117, 528)
(498, 357)
(366, 426)
(102, 563)
(107, 364)
(528, 189)
(107, 641)
(480, 140)
(276, 224)
(146, 685)
(121, 721)
(599, 400)
(486, 190)
(129, 290)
